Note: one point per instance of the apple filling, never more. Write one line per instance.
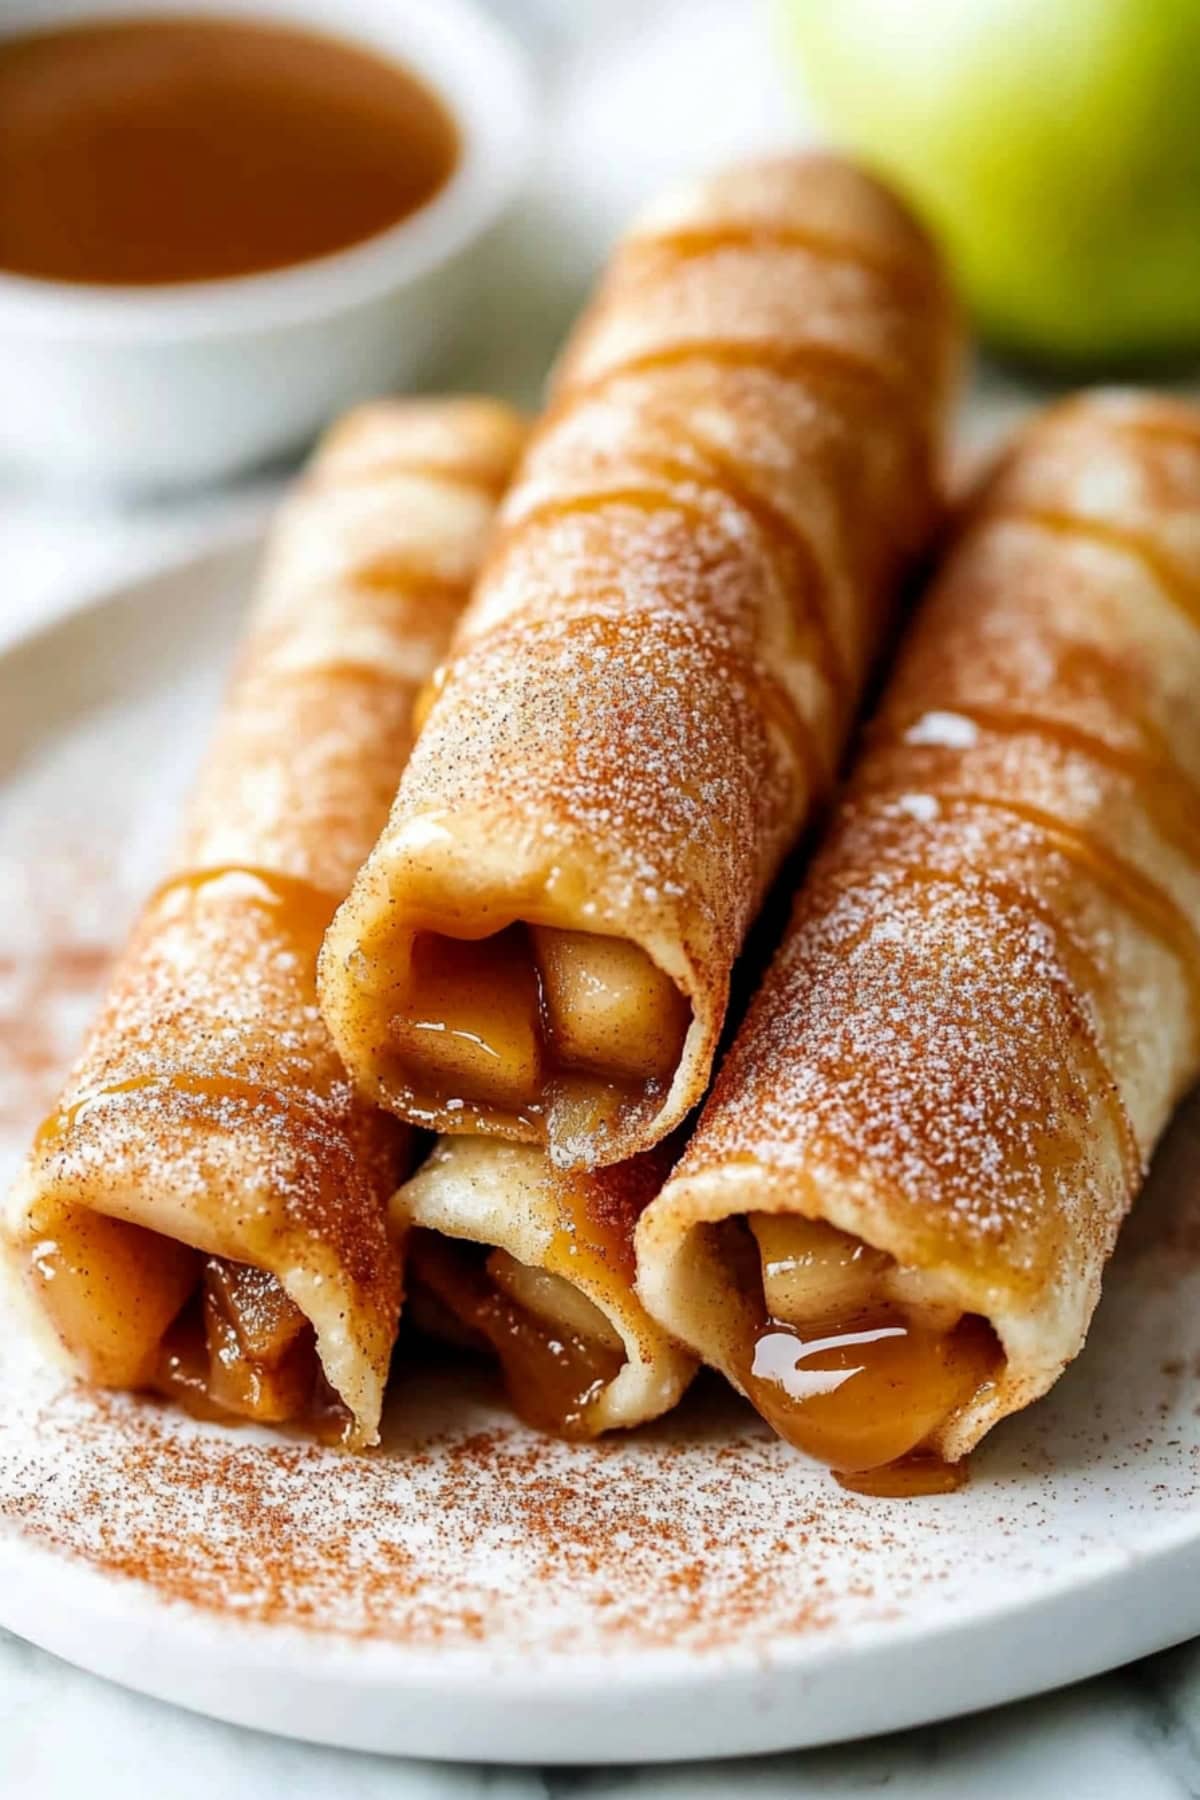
(135, 1310)
(562, 1032)
(557, 1351)
(855, 1360)
(111, 1291)
(241, 1349)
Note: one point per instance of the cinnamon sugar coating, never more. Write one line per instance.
(208, 1104)
(988, 1000)
(651, 688)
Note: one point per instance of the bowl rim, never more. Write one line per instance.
(473, 63)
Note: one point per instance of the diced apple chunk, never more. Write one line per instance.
(267, 1322)
(921, 1297)
(270, 1391)
(111, 1290)
(551, 1298)
(608, 1006)
(470, 1030)
(813, 1275)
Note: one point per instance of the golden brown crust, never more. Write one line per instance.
(988, 1000)
(209, 1104)
(654, 680)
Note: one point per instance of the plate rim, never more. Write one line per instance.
(209, 544)
(696, 1704)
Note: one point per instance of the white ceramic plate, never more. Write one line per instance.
(473, 1591)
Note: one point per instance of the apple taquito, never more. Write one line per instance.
(205, 1211)
(891, 1225)
(654, 680)
(534, 1265)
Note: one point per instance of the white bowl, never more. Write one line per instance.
(158, 386)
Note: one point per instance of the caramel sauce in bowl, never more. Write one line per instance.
(141, 348)
(144, 151)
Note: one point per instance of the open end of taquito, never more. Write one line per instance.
(208, 1224)
(883, 1370)
(263, 1341)
(533, 1265)
(517, 1019)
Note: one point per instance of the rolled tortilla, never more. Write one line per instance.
(535, 1265)
(205, 1211)
(654, 680)
(891, 1225)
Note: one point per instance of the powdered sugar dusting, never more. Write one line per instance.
(892, 973)
(692, 574)
(950, 729)
(680, 699)
(208, 1103)
(989, 998)
(701, 1535)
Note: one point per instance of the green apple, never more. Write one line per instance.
(1055, 144)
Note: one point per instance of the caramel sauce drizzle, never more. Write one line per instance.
(719, 474)
(479, 477)
(300, 909)
(216, 1088)
(1165, 789)
(725, 484)
(689, 243)
(642, 497)
(1179, 588)
(1153, 908)
(791, 541)
(302, 913)
(790, 362)
(809, 596)
(814, 363)
(1182, 433)
(1012, 894)
(356, 669)
(401, 576)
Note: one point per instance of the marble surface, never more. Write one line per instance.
(627, 99)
